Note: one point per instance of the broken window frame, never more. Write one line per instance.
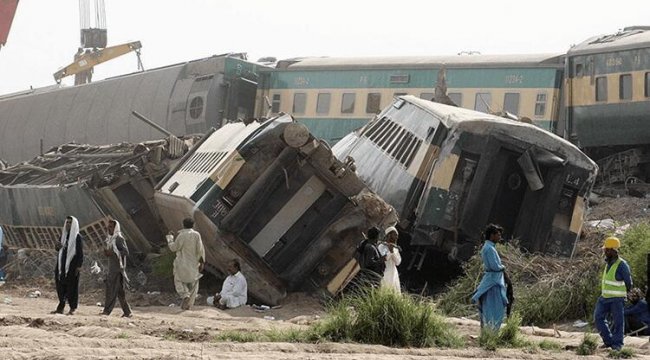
(483, 102)
(456, 97)
(506, 106)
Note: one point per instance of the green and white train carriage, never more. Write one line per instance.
(334, 96)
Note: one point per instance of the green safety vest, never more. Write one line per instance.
(612, 288)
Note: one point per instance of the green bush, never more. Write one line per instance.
(550, 345)
(546, 288)
(381, 316)
(635, 245)
(624, 353)
(509, 336)
(163, 265)
(588, 345)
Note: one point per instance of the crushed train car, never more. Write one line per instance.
(92, 183)
(274, 197)
(449, 171)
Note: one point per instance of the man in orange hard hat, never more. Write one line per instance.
(616, 283)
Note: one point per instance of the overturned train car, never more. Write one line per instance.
(278, 200)
(449, 171)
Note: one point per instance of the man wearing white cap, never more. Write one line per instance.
(392, 258)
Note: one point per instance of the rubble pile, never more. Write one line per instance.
(97, 165)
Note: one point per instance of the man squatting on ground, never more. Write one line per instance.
(234, 290)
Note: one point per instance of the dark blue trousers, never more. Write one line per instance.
(612, 334)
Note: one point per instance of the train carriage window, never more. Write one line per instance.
(196, 107)
(625, 87)
(400, 79)
(457, 98)
(426, 96)
(323, 103)
(601, 88)
(373, 104)
(275, 104)
(579, 70)
(540, 104)
(299, 103)
(647, 84)
(482, 102)
(347, 103)
(511, 103)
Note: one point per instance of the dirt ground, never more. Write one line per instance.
(28, 331)
(158, 331)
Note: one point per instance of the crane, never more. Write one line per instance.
(84, 62)
(93, 50)
(7, 12)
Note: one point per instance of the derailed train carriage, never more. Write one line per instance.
(185, 98)
(449, 171)
(277, 199)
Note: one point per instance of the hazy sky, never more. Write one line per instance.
(45, 33)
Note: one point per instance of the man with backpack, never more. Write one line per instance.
(371, 263)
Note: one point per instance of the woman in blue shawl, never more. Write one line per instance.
(491, 292)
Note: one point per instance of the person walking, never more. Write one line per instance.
(189, 262)
(68, 266)
(116, 251)
(491, 292)
(615, 284)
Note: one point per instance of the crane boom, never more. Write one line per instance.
(7, 12)
(88, 60)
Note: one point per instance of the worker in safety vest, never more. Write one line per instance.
(615, 284)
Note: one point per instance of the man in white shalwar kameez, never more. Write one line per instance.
(188, 265)
(234, 290)
(389, 251)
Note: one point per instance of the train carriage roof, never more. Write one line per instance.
(469, 120)
(632, 37)
(392, 62)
